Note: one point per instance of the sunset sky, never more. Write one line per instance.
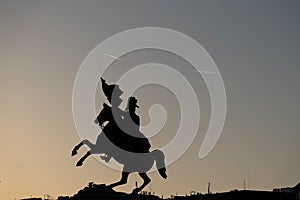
(255, 45)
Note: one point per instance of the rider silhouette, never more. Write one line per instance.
(122, 128)
(140, 142)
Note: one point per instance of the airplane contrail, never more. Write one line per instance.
(115, 57)
(207, 72)
(105, 54)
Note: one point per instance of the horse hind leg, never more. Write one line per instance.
(122, 181)
(159, 158)
(146, 179)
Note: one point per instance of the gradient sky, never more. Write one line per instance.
(255, 45)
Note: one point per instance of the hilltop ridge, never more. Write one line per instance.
(101, 191)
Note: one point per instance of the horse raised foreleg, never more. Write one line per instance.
(122, 181)
(146, 179)
(80, 162)
(77, 147)
(74, 151)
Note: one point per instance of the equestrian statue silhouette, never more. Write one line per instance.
(122, 140)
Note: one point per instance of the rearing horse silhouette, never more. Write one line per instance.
(132, 162)
(133, 152)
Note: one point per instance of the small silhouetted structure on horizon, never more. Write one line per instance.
(240, 195)
(208, 189)
(101, 191)
(289, 193)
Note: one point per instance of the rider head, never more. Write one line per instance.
(132, 104)
(112, 93)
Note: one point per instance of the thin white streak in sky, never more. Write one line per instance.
(114, 57)
(207, 72)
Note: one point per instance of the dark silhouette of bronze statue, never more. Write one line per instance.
(132, 120)
(122, 140)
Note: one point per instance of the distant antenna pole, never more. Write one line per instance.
(208, 188)
(244, 184)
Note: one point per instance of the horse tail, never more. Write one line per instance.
(159, 158)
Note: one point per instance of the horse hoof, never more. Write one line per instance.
(74, 152)
(78, 164)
